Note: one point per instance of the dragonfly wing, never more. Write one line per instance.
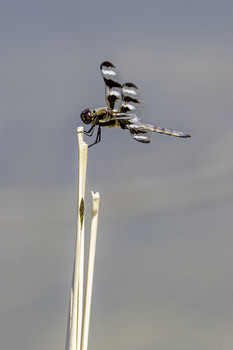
(141, 132)
(132, 101)
(125, 116)
(113, 84)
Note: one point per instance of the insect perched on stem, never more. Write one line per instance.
(125, 109)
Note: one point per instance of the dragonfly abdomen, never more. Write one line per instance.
(170, 132)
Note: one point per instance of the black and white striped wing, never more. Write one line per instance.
(113, 84)
(141, 132)
(132, 102)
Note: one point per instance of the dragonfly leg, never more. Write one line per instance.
(98, 138)
(90, 131)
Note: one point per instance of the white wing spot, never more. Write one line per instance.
(115, 93)
(108, 72)
(129, 91)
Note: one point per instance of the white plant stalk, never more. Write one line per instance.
(74, 328)
(90, 270)
(78, 325)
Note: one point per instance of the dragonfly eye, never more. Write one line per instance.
(87, 116)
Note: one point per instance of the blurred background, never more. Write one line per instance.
(164, 265)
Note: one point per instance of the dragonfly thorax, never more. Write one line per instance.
(87, 116)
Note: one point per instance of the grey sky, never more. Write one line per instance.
(164, 260)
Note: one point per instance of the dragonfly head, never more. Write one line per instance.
(87, 116)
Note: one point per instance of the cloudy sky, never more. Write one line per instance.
(164, 263)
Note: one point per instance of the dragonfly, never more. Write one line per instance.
(125, 109)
